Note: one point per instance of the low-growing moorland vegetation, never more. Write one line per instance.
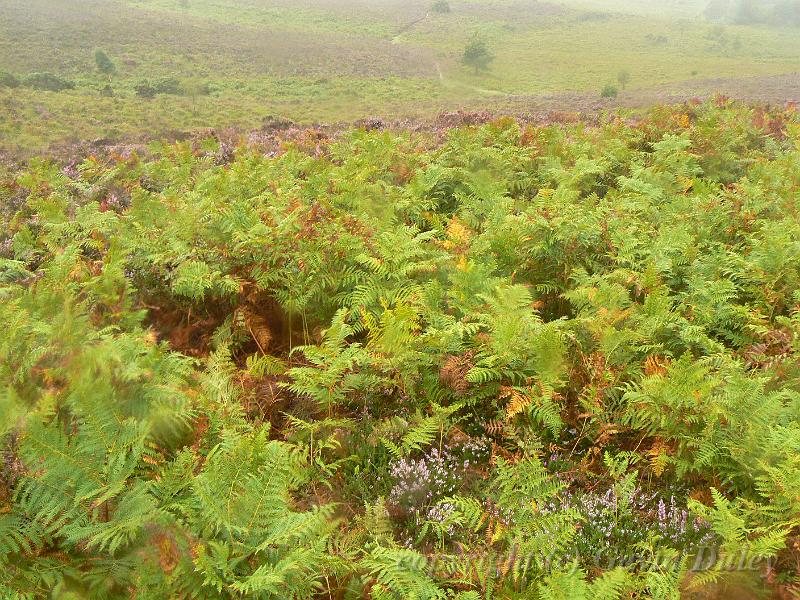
(179, 65)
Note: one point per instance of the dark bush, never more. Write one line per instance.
(8, 80)
(104, 64)
(164, 85)
(609, 91)
(168, 85)
(48, 82)
(657, 40)
(145, 90)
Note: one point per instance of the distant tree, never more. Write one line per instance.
(441, 7)
(623, 78)
(184, 4)
(609, 91)
(779, 13)
(104, 64)
(8, 80)
(477, 55)
(107, 91)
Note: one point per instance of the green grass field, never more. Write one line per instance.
(331, 61)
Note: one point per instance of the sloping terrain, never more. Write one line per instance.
(186, 66)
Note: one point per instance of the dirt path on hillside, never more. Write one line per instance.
(455, 84)
(407, 26)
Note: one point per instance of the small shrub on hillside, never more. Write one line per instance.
(104, 64)
(47, 82)
(8, 80)
(441, 7)
(144, 89)
(623, 78)
(592, 16)
(609, 91)
(657, 40)
(165, 85)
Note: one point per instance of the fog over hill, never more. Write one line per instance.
(181, 65)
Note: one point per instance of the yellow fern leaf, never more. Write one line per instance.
(518, 403)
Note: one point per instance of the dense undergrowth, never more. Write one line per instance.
(553, 362)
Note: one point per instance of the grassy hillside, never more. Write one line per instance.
(231, 63)
(500, 361)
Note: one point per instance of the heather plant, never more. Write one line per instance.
(419, 484)
(642, 523)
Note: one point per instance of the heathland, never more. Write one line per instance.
(179, 65)
(399, 299)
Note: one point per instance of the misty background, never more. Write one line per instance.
(119, 69)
